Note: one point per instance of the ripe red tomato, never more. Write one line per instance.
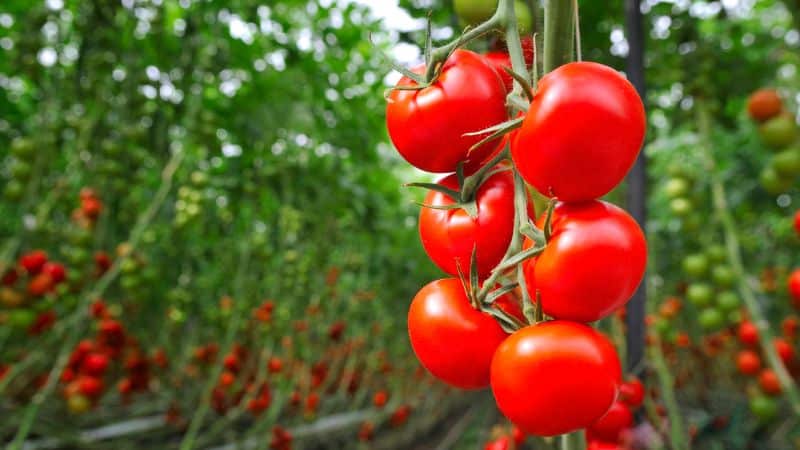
(748, 333)
(449, 236)
(501, 443)
(33, 261)
(769, 382)
(427, 126)
(453, 340)
(794, 285)
(583, 131)
(592, 265)
(609, 427)
(632, 393)
(576, 372)
(94, 364)
(40, 284)
(600, 445)
(500, 59)
(797, 222)
(764, 104)
(748, 362)
(55, 270)
(90, 386)
(784, 349)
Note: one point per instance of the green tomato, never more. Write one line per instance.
(723, 276)
(662, 327)
(728, 301)
(692, 223)
(711, 319)
(787, 163)
(735, 317)
(696, 265)
(14, 190)
(474, 11)
(21, 318)
(778, 132)
(700, 294)
(764, 408)
(21, 170)
(680, 206)
(716, 253)
(773, 183)
(677, 170)
(676, 187)
(22, 148)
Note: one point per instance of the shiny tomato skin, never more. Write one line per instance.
(592, 265)
(500, 60)
(555, 377)
(449, 236)
(451, 339)
(584, 129)
(609, 427)
(631, 393)
(427, 126)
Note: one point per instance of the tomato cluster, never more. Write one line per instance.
(583, 260)
(778, 131)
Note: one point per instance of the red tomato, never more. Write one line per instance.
(609, 427)
(583, 131)
(764, 104)
(453, 340)
(632, 393)
(769, 382)
(94, 364)
(748, 362)
(500, 59)
(555, 377)
(794, 285)
(40, 284)
(427, 126)
(600, 445)
(592, 265)
(784, 349)
(90, 386)
(55, 270)
(797, 222)
(449, 236)
(501, 443)
(748, 333)
(33, 261)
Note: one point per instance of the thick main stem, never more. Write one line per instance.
(558, 33)
(720, 203)
(573, 441)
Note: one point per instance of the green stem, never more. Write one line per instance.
(559, 16)
(677, 434)
(440, 54)
(722, 211)
(573, 441)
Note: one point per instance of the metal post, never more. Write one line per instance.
(637, 187)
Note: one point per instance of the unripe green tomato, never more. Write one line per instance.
(787, 162)
(21, 170)
(76, 255)
(700, 294)
(716, 253)
(662, 327)
(711, 319)
(680, 206)
(129, 282)
(695, 265)
(692, 223)
(199, 179)
(78, 404)
(778, 132)
(773, 183)
(473, 12)
(735, 317)
(676, 187)
(678, 170)
(14, 190)
(21, 318)
(723, 276)
(764, 408)
(128, 266)
(22, 148)
(728, 301)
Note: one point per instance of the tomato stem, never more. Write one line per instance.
(573, 441)
(558, 33)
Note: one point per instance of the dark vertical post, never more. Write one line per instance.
(637, 184)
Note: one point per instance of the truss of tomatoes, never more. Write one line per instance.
(580, 136)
